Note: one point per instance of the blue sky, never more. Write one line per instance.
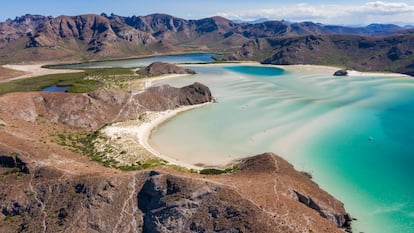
(352, 12)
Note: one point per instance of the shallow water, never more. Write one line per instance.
(354, 134)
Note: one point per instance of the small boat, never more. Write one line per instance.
(371, 138)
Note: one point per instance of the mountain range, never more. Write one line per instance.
(383, 47)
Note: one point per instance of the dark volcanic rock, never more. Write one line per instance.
(341, 220)
(196, 93)
(341, 73)
(174, 204)
(160, 68)
(13, 162)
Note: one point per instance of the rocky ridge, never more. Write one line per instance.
(93, 110)
(390, 54)
(67, 38)
(163, 200)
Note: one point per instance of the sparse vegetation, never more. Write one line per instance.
(215, 171)
(86, 81)
(143, 165)
(84, 143)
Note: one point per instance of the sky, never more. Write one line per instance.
(350, 12)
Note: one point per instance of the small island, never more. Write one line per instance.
(161, 68)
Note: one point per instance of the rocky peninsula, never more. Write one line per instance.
(49, 185)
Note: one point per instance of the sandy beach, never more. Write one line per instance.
(144, 132)
(140, 131)
(148, 82)
(33, 71)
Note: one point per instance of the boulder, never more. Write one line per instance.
(341, 73)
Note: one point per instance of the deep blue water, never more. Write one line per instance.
(55, 88)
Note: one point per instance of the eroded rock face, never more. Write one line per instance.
(341, 220)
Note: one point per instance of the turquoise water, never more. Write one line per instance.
(354, 134)
(140, 62)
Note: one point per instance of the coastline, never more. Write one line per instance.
(140, 131)
(143, 133)
(148, 82)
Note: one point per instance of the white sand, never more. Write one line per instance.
(35, 70)
(148, 82)
(143, 131)
(354, 73)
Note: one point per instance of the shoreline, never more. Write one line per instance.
(140, 132)
(148, 82)
(143, 133)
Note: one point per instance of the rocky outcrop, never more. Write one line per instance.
(160, 68)
(93, 110)
(174, 204)
(13, 162)
(341, 220)
(340, 73)
(277, 193)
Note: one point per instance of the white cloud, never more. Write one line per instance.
(371, 12)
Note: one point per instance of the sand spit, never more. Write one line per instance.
(34, 70)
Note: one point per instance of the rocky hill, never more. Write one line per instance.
(41, 198)
(160, 68)
(93, 110)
